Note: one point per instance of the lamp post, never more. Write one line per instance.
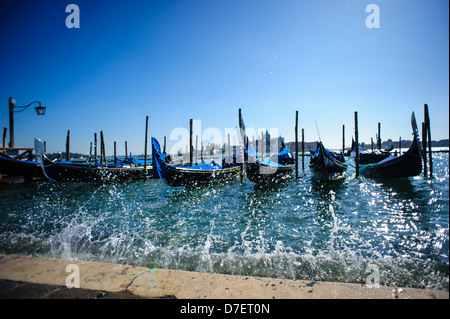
(40, 110)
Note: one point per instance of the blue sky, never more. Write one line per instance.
(177, 60)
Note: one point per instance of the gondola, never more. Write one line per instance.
(118, 163)
(190, 175)
(15, 167)
(407, 165)
(270, 171)
(277, 169)
(84, 173)
(325, 164)
(366, 157)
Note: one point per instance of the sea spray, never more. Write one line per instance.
(299, 230)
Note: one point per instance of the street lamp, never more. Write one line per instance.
(40, 110)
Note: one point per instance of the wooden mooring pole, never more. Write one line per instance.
(428, 133)
(68, 146)
(4, 137)
(11, 121)
(241, 131)
(102, 149)
(303, 149)
(146, 140)
(357, 145)
(379, 135)
(343, 138)
(296, 144)
(90, 154)
(191, 146)
(424, 150)
(95, 147)
(201, 154)
(164, 149)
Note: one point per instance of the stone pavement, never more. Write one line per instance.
(46, 278)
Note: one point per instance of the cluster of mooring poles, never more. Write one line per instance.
(426, 137)
(426, 143)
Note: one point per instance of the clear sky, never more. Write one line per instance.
(204, 59)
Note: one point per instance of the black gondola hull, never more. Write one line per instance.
(326, 166)
(15, 167)
(76, 173)
(261, 173)
(407, 165)
(371, 158)
(180, 176)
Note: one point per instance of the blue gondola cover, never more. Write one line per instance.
(158, 160)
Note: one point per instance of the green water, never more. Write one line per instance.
(302, 229)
